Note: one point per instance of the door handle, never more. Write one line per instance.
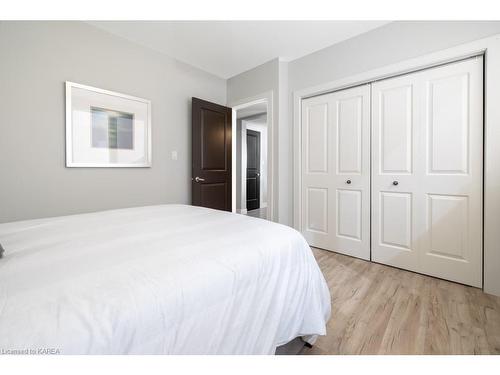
(258, 174)
(395, 183)
(348, 182)
(198, 179)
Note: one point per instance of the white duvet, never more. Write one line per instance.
(167, 279)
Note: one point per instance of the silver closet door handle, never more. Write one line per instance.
(198, 179)
(258, 174)
(395, 183)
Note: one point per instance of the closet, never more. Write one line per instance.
(392, 171)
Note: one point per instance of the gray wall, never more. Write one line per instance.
(389, 44)
(254, 82)
(36, 59)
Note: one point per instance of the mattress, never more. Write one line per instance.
(167, 279)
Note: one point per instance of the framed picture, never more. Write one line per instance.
(106, 128)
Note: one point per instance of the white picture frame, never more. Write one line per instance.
(106, 129)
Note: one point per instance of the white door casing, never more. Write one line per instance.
(427, 134)
(336, 171)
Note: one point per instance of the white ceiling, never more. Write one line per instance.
(228, 48)
(252, 110)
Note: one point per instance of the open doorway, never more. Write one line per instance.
(251, 160)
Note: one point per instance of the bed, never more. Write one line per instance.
(167, 279)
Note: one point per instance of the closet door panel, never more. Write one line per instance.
(396, 220)
(316, 138)
(447, 111)
(335, 171)
(448, 225)
(349, 214)
(394, 142)
(317, 174)
(349, 137)
(351, 124)
(450, 195)
(395, 108)
(427, 192)
(317, 209)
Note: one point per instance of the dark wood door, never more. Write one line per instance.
(211, 155)
(253, 170)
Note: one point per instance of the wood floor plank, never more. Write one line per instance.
(378, 309)
(408, 318)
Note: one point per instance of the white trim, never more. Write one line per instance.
(243, 166)
(69, 150)
(266, 97)
(490, 48)
(242, 211)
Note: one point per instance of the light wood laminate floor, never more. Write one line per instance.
(378, 309)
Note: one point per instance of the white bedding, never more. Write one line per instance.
(167, 279)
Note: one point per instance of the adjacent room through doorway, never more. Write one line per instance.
(251, 160)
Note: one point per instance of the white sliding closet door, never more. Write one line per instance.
(336, 171)
(427, 149)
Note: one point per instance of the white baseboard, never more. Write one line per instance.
(242, 211)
